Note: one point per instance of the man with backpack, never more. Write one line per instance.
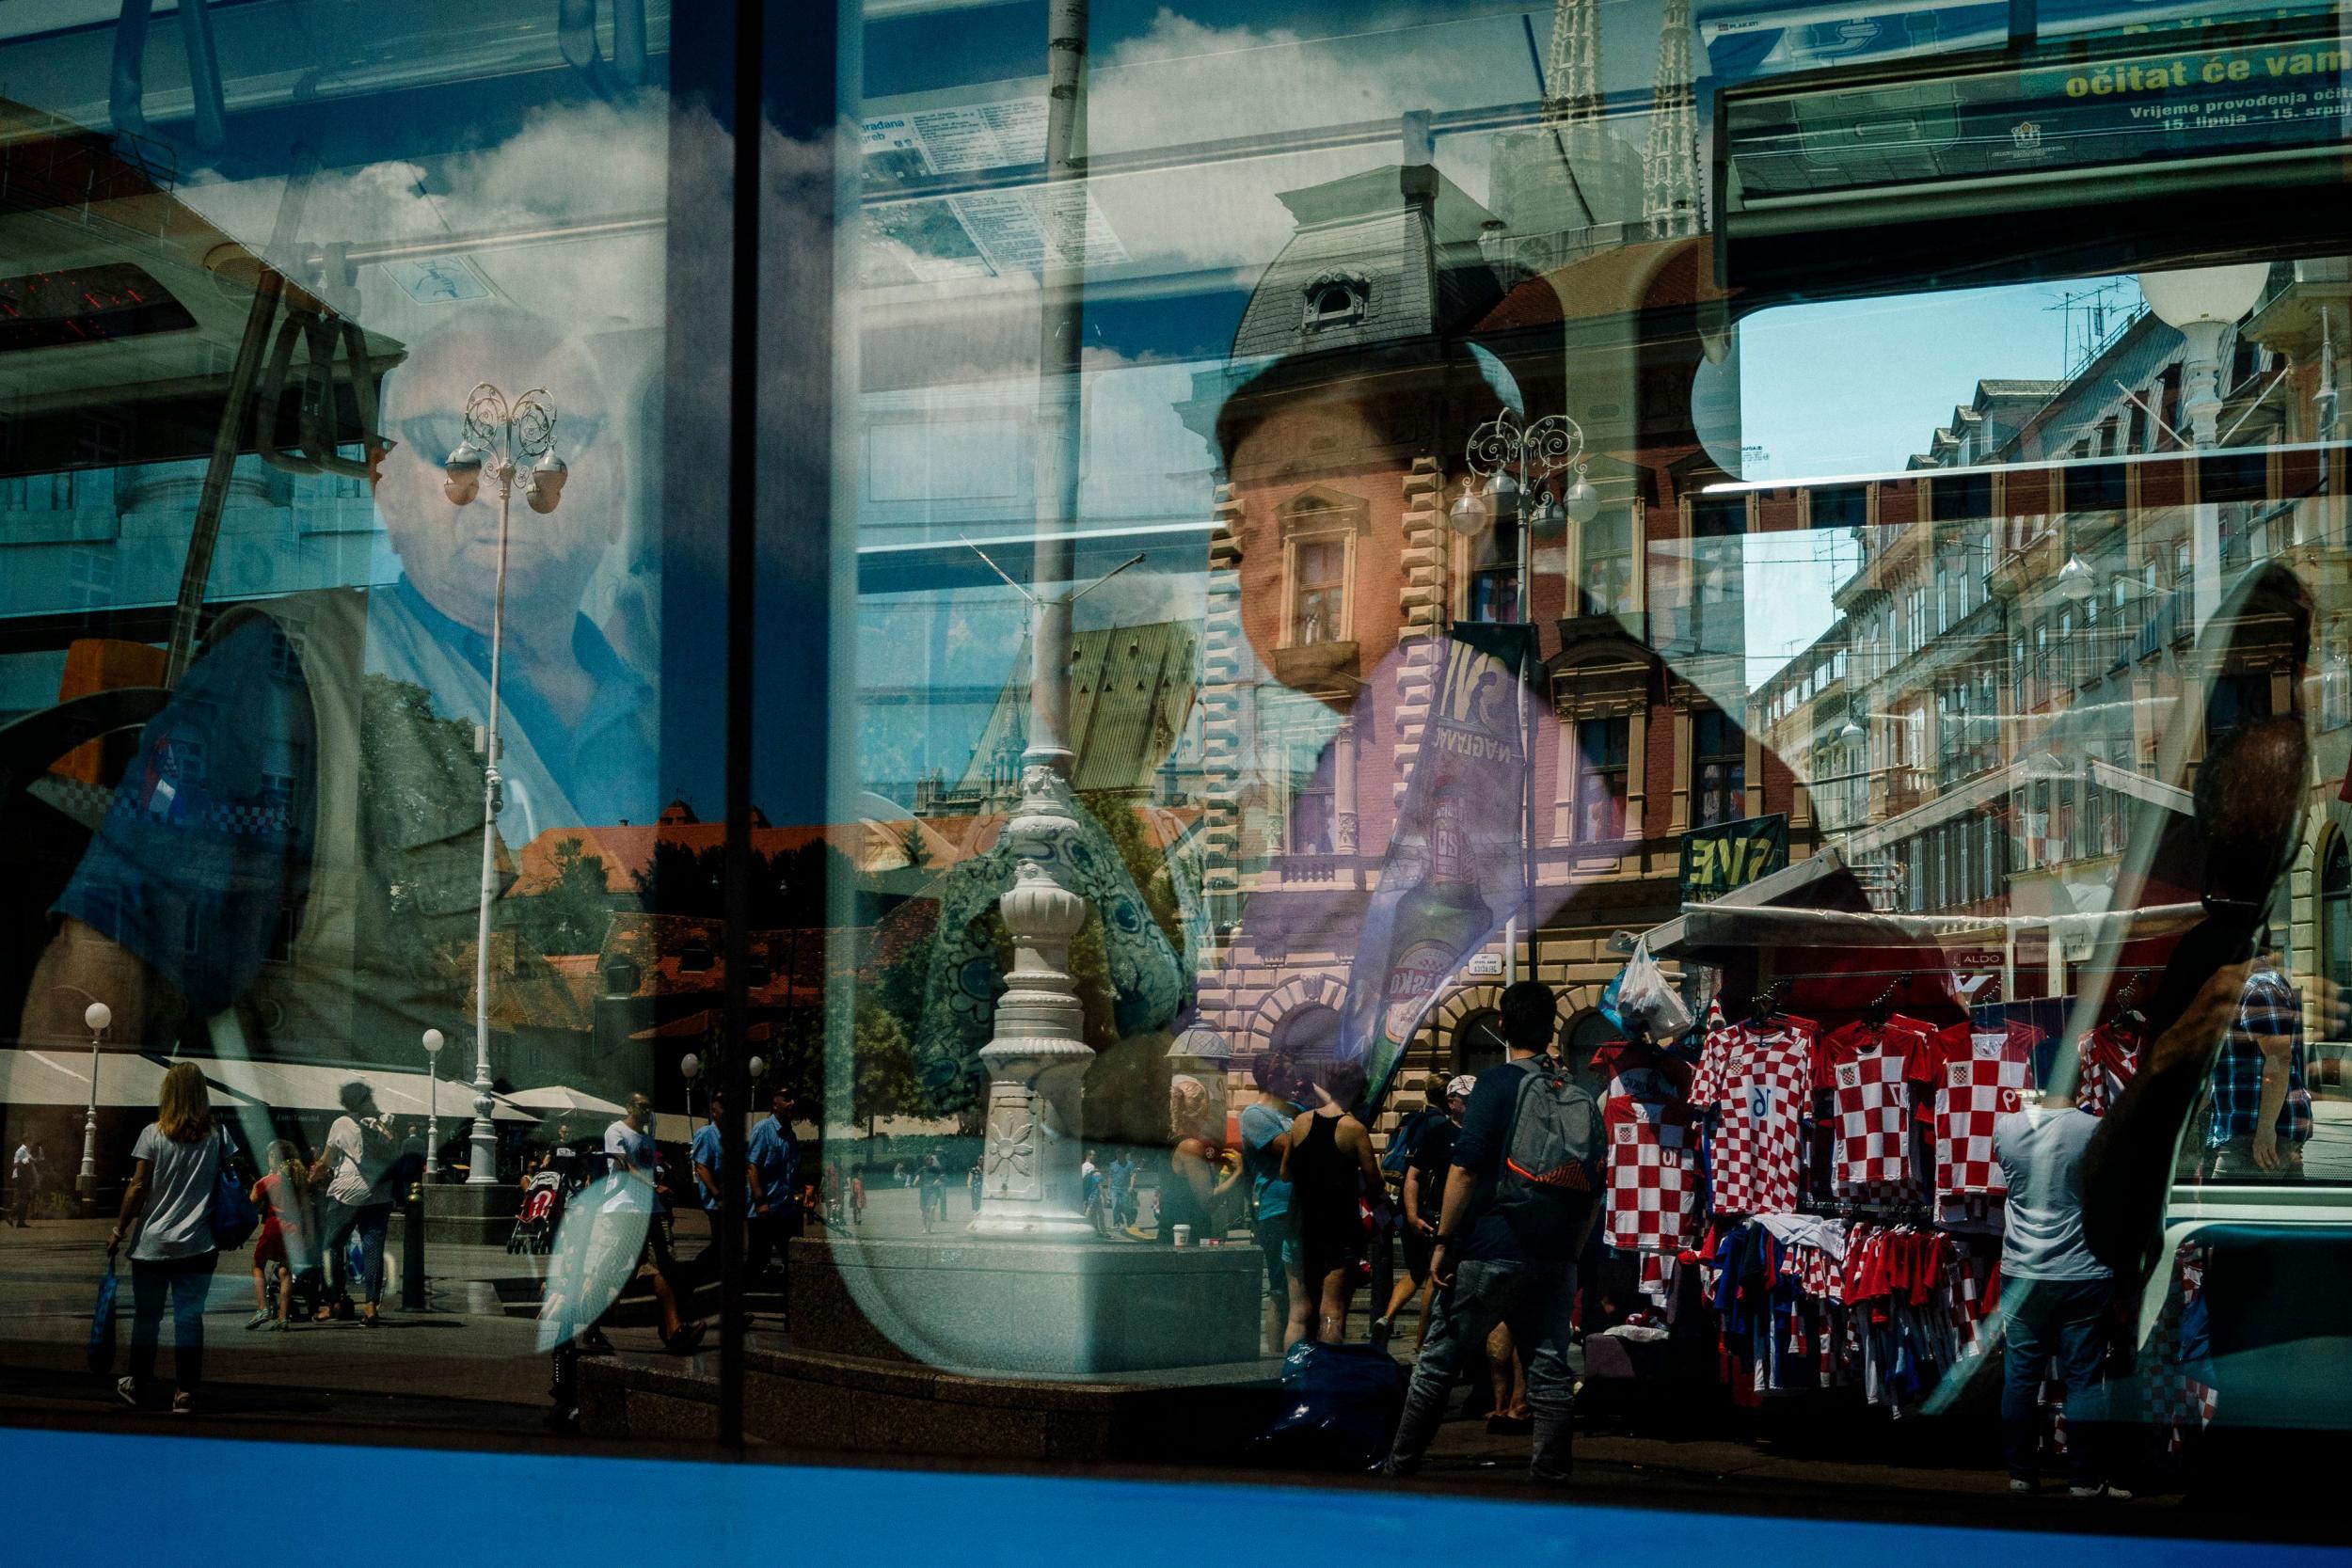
(1520, 1200)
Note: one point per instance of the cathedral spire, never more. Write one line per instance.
(1670, 159)
(1572, 74)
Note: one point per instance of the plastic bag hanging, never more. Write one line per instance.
(1646, 1002)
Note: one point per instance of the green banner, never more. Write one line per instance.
(1731, 855)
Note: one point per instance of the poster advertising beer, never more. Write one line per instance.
(1456, 869)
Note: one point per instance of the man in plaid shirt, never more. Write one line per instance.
(2261, 1114)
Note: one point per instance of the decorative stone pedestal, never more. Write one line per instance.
(455, 1212)
(1037, 1056)
(1035, 1310)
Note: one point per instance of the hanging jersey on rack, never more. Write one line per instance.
(1653, 1149)
(1874, 1076)
(1757, 1080)
(1986, 1071)
(2109, 1057)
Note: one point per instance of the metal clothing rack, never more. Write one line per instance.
(1872, 1213)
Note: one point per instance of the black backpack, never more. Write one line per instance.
(1405, 1141)
(1551, 1158)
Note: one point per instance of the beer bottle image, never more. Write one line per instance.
(1436, 924)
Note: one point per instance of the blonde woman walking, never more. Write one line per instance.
(175, 1168)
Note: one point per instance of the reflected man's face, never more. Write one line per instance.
(1280, 455)
(451, 552)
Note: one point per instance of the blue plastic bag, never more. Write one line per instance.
(102, 1323)
(1608, 1001)
(1340, 1408)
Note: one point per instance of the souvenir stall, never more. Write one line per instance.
(1805, 1180)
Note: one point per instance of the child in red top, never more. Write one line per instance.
(283, 1196)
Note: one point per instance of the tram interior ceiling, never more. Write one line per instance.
(124, 307)
(2219, 144)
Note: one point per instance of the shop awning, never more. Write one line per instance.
(59, 1075)
(1665, 940)
(1715, 925)
(305, 1087)
(561, 1098)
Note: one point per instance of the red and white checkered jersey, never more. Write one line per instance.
(1986, 1072)
(1653, 1149)
(1758, 1080)
(1868, 1075)
(2110, 1056)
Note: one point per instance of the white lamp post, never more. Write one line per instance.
(433, 1041)
(2202, 304)
(504, 443)
(98, 1018)
(690, 1067)
(1518, 458)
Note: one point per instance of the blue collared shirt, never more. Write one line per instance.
(775, 1156)
(710, 1154)
(202, 837)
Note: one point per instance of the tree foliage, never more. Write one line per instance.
(569, 915)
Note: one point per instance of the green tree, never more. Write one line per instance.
(882, 1080)
(570, 915)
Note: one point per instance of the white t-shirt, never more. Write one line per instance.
(352, 1176)
(177, 1219)
(634, 1150)
(23, 1161)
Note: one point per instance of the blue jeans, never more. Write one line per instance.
(1538, 1301)
(187, 1281)
(2066, 1319)
(371, 1220)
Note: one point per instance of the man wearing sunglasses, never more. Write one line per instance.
(326, 850)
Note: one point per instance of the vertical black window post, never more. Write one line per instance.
(749, 122)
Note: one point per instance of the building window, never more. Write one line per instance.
(1608, 564)
(1960, 496)
(1335, 300)
(2236, 700)
(1311, 809)
(1319, 531)
(1494, 582)
(1719, 768)
(92, 577)
(1309, 1034)
(1840, 506)
(1478, 1044)
(1602, 751)
(1319, 591)
(2335, 915)
(61, 491)
(2335, 683)
(13, 496)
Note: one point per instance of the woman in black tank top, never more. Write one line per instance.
(1330, 1167)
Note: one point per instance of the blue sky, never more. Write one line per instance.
(1851, 386)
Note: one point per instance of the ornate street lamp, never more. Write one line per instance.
(2076, 582)
(98, 1018)
(433, 1041)
(1519, 459)
(507, 444)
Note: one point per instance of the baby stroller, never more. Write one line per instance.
(542, 1208)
